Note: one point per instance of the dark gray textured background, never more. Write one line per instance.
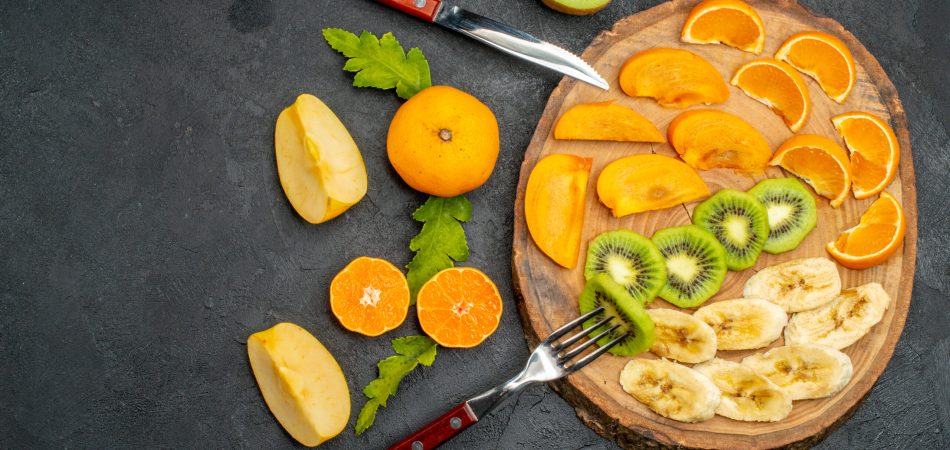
(144, 235)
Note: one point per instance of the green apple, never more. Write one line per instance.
(577, 7)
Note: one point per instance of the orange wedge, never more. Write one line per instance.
(369, 296)
(820, 162)
(778, 86)
(822, 57)
(878, 235)
(709, 138)
(605, 121)
(730, 22)
(459, 307)
(674, 78)
(875, 153)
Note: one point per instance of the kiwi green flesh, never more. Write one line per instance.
(635, 323)
(695, 265)
(791, 211)
(739, 222)
(631, 260)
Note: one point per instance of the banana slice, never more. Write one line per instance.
(743, 324)
(796, 285)
(681, 336)
(670, 389)
(803, 370)
(841, 322)
(746, 395)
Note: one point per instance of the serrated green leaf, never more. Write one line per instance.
(441, 243)
(381, 63)
(410, 352)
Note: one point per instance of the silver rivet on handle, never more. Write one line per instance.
(416, 445)
(420, 3)
(455, 423)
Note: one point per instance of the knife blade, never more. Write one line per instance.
(502, 37)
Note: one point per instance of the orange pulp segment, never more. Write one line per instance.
(878, 235)
(459, 307)
(730, 22)
(778, 86)
(820, 162)
(822, 57)
(369, 296)
(875, 152)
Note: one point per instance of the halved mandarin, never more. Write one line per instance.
(730, 22)
(554, 206)
(675, 78)
(778, 86)
(875, 152)
(708, 138)
(369, 296)
(820, 162)
(823, 57)
(459, 307)
(605, 121)
(877, 237)
(648, 182)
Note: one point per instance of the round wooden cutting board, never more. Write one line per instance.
(549, 292)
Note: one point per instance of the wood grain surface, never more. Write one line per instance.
(549, 293)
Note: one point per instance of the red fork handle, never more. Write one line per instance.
(439, 430)
(422, 9)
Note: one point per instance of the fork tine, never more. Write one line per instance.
(578, 350)
(572, 324)
(594, 355)
(580, 335)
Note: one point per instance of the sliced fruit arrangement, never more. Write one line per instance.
(627, 316)
(459, 307)
(744, 323)
(803, 371)
(369, 296)
(554, 206)
(791, 210)
(746, 396)
(730, 22)
(820, 161)
(708, 138)
(671, 390)
(682, 337)
(875, 152)
(695, 265)
(843, 321)
(872, 241)
(796, 285)
(823, 57)
(739, 222)
(778, 86)
(648, 182)
(631, 260)
(301, 382)
(605, 121)
(674, 78)
(320, 168)
(577, 7)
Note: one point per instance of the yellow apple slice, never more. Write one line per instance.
(320, 167)
(301, 383)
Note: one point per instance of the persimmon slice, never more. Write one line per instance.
(554, 206)
(605, 121)
(708, 138)
(778, 86)
(820, 161)
(877, 237)
(675, 78)
(646, 183)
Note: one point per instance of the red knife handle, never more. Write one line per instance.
(422, 9)
(439, 430)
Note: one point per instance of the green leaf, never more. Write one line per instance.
(381, 63)
(410, 352)
(441, 242)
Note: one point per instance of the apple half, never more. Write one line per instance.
(577, 7)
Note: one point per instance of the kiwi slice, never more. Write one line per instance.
(791, 211)
(695, 265)
(635, 323)
(739, 222)
(631, 260)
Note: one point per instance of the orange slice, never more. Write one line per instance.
(778, 86)
(675, 78)
(822, 57)
(730, 22)
(369, 296)
(708, 138)
(554, 206)
(459, 307)
(605, 121)
(875, 153)
(820, 162)
(878, 235)
(648, 182)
